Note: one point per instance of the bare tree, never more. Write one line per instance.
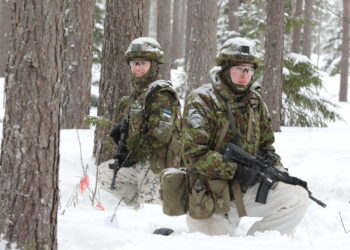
(153, 19)
(146, 17)
(307, 36)
(202, 47)
(296, 42)
(5, 26)
(272, 81)
(164, 36)
(122, 17)
(189, 25)
(31, 135)
(344, 64)
(178, 31)
(233, 19)
(183, 24)
(78, 63)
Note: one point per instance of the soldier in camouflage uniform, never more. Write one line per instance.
(207, 130)
(153, 110)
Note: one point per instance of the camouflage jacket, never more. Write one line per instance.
(154, 124)
(205, 116)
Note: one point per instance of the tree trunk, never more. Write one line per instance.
(146, 17)
(164, 36)
(77, 65)
(272, 81)
(31, 135)
(344, 68)
(296, 43)
(307, 36)
(153, 19)
(122, 17)
(233, 19)
(5, 28)
(189, 25)
(202, 48)
(184, 28)
(178, 31)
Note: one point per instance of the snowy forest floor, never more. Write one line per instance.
(321, 156)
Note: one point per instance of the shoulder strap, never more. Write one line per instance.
(236, 135)
(236, 188)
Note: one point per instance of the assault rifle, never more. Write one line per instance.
(268, 174)
(122, 151)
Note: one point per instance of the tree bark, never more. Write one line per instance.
(78, 63)
(272, 81)
(164, 36)
(31, 135)
(202, 48)
(122, 17)
(233, 19)
(344, 68)
(296, 42)
(307, 36)
(5, 28)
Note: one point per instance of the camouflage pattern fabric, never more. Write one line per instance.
(154, 116)
(205, 115)
(135, 185)
(154, 124)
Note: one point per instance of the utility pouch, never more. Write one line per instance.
(201, 203)
(174, 191)
(221, 195)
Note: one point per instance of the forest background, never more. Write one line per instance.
(50, 51)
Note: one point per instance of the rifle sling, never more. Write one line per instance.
(236, 188)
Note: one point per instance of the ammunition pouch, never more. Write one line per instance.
(201, 197)
(213, 198)
(174, 191)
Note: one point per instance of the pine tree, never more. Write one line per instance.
(29, 191)
(301, 104)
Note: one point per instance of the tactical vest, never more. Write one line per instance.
(169, 131)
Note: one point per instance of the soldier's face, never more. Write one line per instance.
(242, 74)
(139, 67)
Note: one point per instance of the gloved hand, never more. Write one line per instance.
(115, 133)
(246, 176)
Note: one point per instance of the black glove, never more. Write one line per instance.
(115, 133)
(246, 176)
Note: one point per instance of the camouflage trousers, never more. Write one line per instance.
(135, 185)
(285, 207)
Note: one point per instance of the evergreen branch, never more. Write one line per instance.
(98, 121)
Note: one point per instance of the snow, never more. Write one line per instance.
(148, 43)
(298, 58)
(319, 155)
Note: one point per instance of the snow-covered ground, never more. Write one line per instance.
(319, 155)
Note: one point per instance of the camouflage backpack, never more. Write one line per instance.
(169, 156)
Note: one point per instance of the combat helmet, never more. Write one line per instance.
(237, 50)
(145, 47)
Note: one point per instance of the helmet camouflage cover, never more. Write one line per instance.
(237, 50)
(144, 47)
